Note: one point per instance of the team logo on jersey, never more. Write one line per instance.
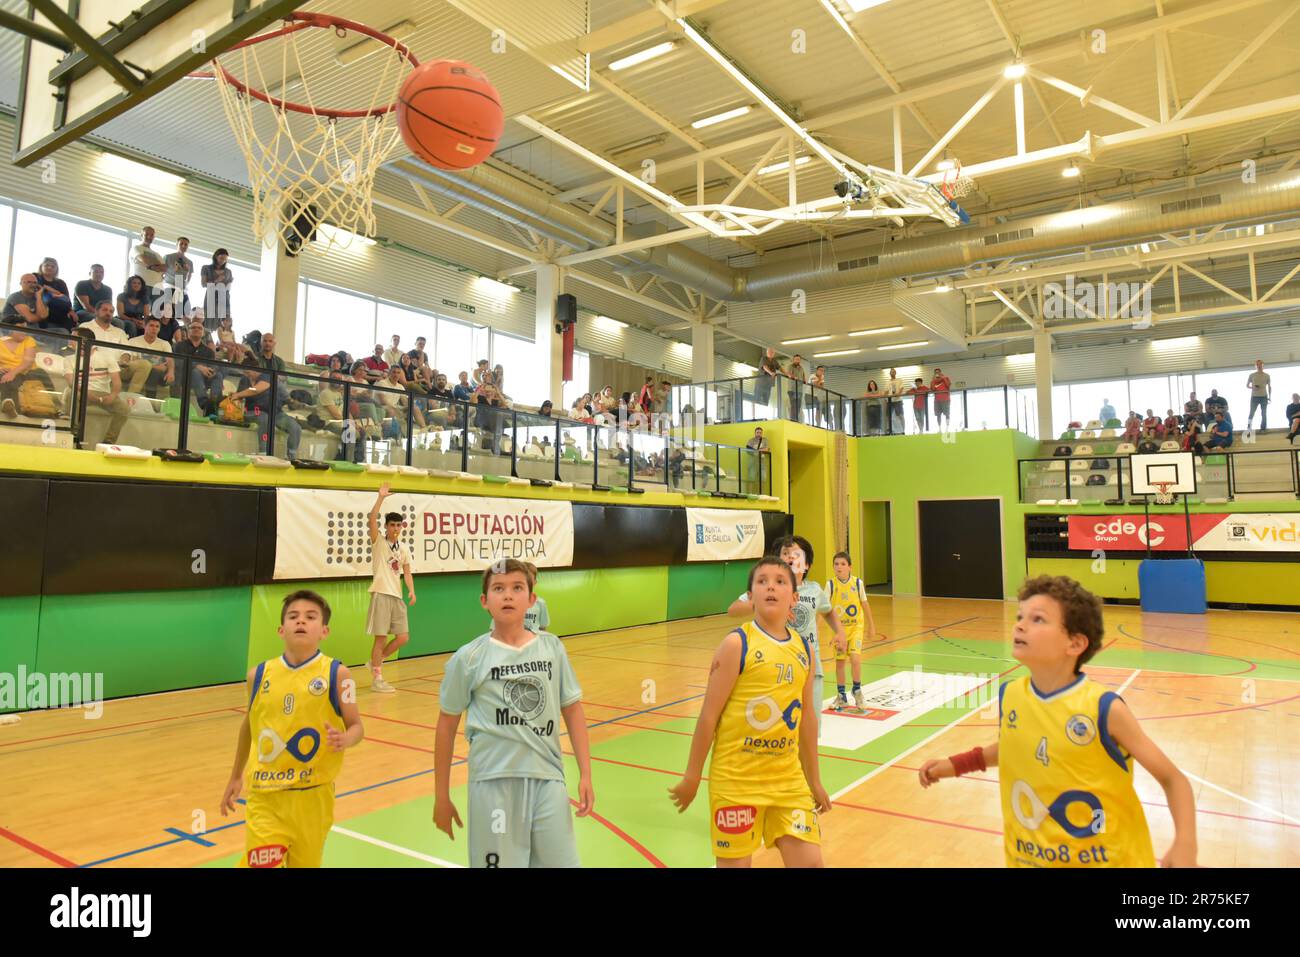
(803, 617)
(268, 855)
(317, 686)
(758, 655)
(1011, 720)
(526, 696)
(736, 819)
(1080, 729)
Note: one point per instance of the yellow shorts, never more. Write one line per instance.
(287, 828)
(739, 828)
(852, 647)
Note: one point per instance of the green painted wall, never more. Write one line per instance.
(1256, 583)
(705, 588)
(147, 641)
(906, 468)
(871, 558)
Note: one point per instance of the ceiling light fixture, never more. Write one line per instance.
(720, 117)
(799, 342)
(784, 164)
(641, 56)
(1014, 71)
(905, 345)
(875, 332)
(841, 352)
(1071, 171)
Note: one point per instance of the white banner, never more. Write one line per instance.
(723, 534)
(321, 533)
(1252, 532)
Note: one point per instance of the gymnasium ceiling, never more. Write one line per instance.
(1178, 95)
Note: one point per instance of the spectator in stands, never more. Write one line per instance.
(133, 307)
(55, 293)
(104, 388)
(376, 366)
(581, 410)
(660, 404)
(1107, 412)
(1192, 410)
(1215, 403)
(545, 409)
(26, 305)
(499, 378)
(177, 270)
(266, 357)
(919, 409)
(440, 390)
(645, 399)
(363, 409)
(757, 442)
(480, 370)
(799, 377)
(1260, 384)
(463, 391)
(1152, 425)
(1172, 424)
(216, 278)
(1132, 427)
(393, 354)
(146, 262)
(418, 354)
(1221, 434)
(411, 373)
(1293, 417)
(89, 293)
(255, 391)
(147, 372)
(895, 387)
(229, 348)
(768, 369)
(1192, 438)
(941, 386)
(395, 405)
(102, 328)
(205, 380)
(17, 356)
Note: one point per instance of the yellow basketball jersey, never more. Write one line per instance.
(1067, 786)
(847, 600)
(756, 745)
(287, 715)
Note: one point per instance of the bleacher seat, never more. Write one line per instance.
(1046, 501)
(1114, 424)
(1093, 424)
(1067, 436)
(1108, 433)
(1125, 448)
(1169, 445)
(1083, 451)
(1087, 434)
(1069, 502)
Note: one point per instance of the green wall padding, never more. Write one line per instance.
(144, 642)
(594, 599)
(705, 588)
(19, 624)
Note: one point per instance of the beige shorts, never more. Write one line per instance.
(387, 616)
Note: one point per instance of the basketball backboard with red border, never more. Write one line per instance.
(86, 61)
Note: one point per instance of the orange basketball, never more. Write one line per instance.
(450, 114)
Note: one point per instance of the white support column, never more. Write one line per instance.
(701, 352)
(1043, 380)
(283, 271)
(548, 348)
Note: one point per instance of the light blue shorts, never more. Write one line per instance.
(520, 822)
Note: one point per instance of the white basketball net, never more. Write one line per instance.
(1163, 495)
(954, 184)
(298, 160)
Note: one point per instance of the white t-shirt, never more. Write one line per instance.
(159, 344)
(1259, 383)
(387, 561)
(111, 334)
(142, 255)
(102, 366)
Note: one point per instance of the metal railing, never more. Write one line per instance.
(178, 404)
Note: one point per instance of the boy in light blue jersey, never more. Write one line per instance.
(797, 552)
(536, 618)
(516, 685)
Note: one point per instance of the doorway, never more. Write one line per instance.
(961, 548)
(874, 560)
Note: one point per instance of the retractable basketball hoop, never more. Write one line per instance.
(954, 185)
(309, 163)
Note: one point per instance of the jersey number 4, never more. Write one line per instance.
(1041, 753)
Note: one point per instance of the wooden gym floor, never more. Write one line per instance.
(1220, 694)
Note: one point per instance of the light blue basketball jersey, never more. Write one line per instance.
(513, 697)
(537, 618)
(813, 601)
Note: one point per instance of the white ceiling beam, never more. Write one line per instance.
(429, 215)
(1280, 283)
(960, 125)
(1048, 52)
(1014, 42)
(609, 287)
(1157, 319)
(1007, 301)
(639, 24)
(1238, 60)
(1166, 60)
(1087, 97)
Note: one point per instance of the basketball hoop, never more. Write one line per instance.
(954, 185)
(1163, 495)
(307, 163)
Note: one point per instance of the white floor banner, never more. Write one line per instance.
(723, 534)
(899, 699)
(322, 533)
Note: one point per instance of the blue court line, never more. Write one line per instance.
(405, 777)
(189, 837)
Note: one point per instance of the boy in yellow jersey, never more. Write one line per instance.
(302, 713)
(764, 783)
(1066, 748)
(849, 600)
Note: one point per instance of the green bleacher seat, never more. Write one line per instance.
(226, 458)
(347, 467)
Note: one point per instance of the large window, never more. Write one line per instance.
(407, 323)
(75, 245)
(337, 320)
(581, 382)
(452, 354)
(515, 356)
(1087, 399)
(6, 233)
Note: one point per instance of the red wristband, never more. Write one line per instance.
(968, 761)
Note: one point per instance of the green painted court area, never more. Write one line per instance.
(634, 824)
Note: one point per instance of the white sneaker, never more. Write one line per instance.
(840, 702)
(9, 409)
(382, 686)
(858, 701)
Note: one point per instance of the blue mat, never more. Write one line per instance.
(1172, 585)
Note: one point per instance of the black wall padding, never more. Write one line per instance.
(24, 535)
(119, 536)
(266, 529)
(777, 524)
